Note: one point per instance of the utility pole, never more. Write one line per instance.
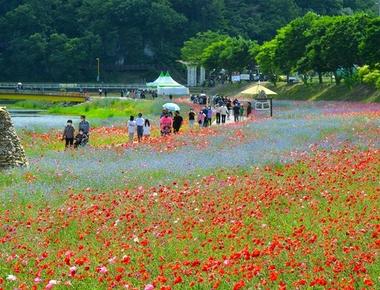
(98, 77)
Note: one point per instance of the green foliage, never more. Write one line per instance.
(292, 42)
(266, 59)
(107, 108)
(370, 45)
(194, 47)
(232, 54)
(314, 44)
(59, 40)
(370, 76)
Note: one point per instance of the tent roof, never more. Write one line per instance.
(256, 89)
(157, 81)
(164, 80)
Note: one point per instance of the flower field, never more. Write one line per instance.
(285, 203)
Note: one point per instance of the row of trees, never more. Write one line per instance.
(322, 44)
(308, 45)
(61, 39)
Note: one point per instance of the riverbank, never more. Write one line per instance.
(311, 92)
(326, 92)
(99, 108)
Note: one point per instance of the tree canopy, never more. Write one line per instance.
(59, 40)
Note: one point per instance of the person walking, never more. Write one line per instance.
(131, 128)
(201, 119)
(191, 118)
(146, 129)
(177, 122)
(205, 121)
(166, 123)
(140, 127)
(84, 126)
(241, 112)
(236, 111)
(223, 113)
(209, 116)
(69, 134)
(249, 109)
(217, 114)
(229, 108)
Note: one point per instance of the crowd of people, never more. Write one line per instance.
(224, 109)
(169, 123)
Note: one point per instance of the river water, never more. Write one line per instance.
(32, 119)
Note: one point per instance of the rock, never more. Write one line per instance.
(12, 153)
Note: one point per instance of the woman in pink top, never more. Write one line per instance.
(201, 119)
(166, 124)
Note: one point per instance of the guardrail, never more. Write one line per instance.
(71, 87)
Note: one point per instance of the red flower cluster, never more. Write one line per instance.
(314, 223)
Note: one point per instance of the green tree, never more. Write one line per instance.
(292, 41)
(340, 44)
(266, 60)
(313, 58)
(370, 44)
(233, 54)
(194, 47)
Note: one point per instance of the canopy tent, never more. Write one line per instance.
(256, 90)
(167, 86)
(157, 81)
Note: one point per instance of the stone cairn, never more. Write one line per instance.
(11, 151)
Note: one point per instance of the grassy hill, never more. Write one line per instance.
(326, 92)
(312, 92)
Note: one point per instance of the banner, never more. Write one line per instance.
(235, 79)
(245, 77)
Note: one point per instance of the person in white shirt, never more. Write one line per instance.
(131, 128)
(140, 127)
(146, 128)
(223, 112)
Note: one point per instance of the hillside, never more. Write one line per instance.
(63, 40)
(312, 92)
(327, 92)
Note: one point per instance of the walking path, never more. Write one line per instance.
(230, 121)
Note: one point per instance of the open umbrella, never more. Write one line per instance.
(171, 107)
(256, 90)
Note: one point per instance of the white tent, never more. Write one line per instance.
(167, 86)
(157, 81)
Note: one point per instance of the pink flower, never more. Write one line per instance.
(102, 270)
(37, 280)
(149, 287)
(51, 284)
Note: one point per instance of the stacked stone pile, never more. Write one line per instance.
(11, 151)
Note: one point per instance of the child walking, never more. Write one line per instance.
(146, 129)
(131, 128)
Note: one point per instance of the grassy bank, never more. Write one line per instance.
(326, 92)
(101, 108)
(312, 92)
(108, 108)
(42, 98)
